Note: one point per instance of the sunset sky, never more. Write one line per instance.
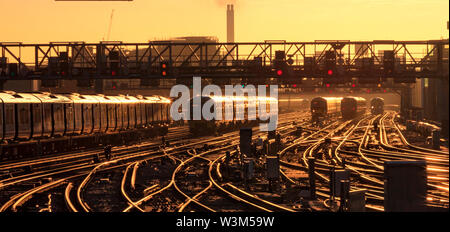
(40, 21)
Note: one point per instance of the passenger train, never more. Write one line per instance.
(286, 105)
(377, 105)
(224, 120)
(323, 107)
(59, 122)
(352, 107)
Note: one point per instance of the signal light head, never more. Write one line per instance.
(353, 85)
(279, 72)
(330, 72)
(164, 73)
(163, 65)
(328, 85)
(113, 73)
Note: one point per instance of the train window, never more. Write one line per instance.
(119, 114)
(87, 116)
(96, 118)
(37, 119)
(104, 117)
(113, 118)
(69, 117)
(23, 119)
(9, 119)
(47, 117)
(78, 112)
(132, 114)
(24, 116)
(58, 117)
(151, 116)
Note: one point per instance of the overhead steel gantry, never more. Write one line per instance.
(288, 61)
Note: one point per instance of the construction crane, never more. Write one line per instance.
(109, 27)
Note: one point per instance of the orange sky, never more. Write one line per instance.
(43, 21)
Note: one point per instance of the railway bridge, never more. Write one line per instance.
(300, 65)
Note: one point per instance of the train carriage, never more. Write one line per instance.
(158, 109)
(18, 118)
(121, 112)
(221, 119)
(93, 104)
(68, 114)
(42, 123)
(377, 105)
(77, 113)
(132, 115)
(352, 107)
(146, 110)
(111, 115)
(322, 107)
(292, 104)
(165, 109)
(86, 109)
(103, 118)
(53, 114)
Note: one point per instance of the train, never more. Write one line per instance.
(323, 107)
(352, 107)
(223, 121)
(377, 106)
(286, 105)
(41, 122)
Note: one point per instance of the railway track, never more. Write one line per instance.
(191, 175)
(71, 182)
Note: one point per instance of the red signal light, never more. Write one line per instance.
(164, 73)
(164, 66)
(328, 85)
(330, 72)
(295, 85)
(353, 85)
(113, 73)
(279, 72)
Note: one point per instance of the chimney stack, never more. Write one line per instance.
(230, 23)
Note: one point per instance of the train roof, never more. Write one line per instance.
(47, 97)
(240, 98)
(355, 98)
(156, 99)
(292, 100)
(128, 99)
(377, 99)
(13, 97)
(327, 99)
(103, 99)
(80, 98)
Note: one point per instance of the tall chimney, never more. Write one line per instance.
(230, 23)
